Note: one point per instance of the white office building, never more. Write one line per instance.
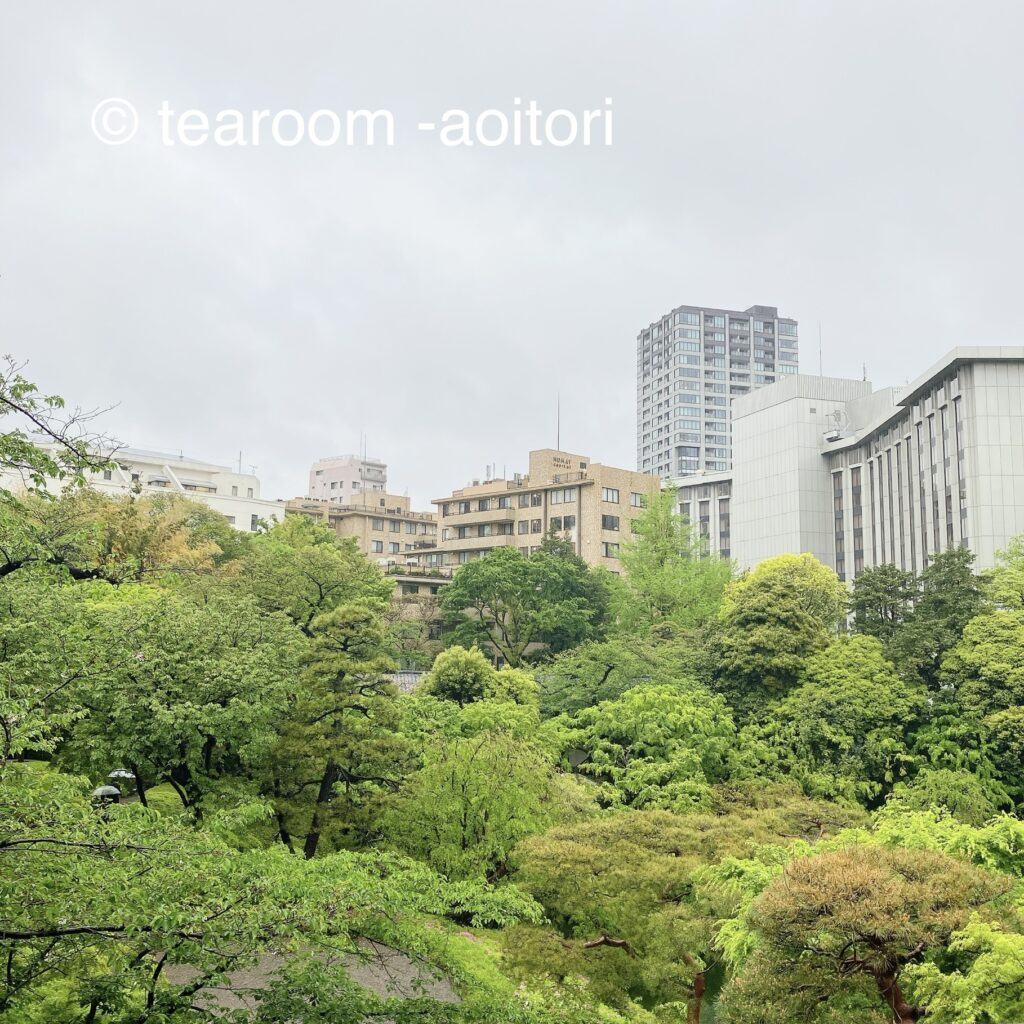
(859, 477)
(690, 366)
(347, 479)
(236, 496)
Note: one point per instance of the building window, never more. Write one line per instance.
(463, 507)
(609, 522)
(108, 475)
(410, 588)
(524, 500)
(395, 525)
(636, 500)
(536, 526)
(536, 499)
(248, 492)
(410, 527)
(562, 495)
(254, 522)
(609, 549)
(483, 505)
(524, 525)
(377, 547)
(394, 547)
(504, 501)
(377, 524)
(610, 494)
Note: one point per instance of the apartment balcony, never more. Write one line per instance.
(474, 516)
(486, 543)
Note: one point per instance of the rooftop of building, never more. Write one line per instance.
(764, 312)
(549, 467)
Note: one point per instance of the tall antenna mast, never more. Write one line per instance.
(558, 420)
(821, 372)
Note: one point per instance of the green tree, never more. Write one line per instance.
(881, 599)
(603, 670)
(669, 575)
(657, 745)
(466, 676)
(474, 798)
(771, 621)
(844, 731)
(868, 911)
(121, 915)
(621, 891)
(339, 754)
(191, 694)
(951, 595)
(304, 569)
(516, 604)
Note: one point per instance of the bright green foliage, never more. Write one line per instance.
(472, 801)
(96, 904)
(304, 569)
(990, 987)
(881, 600)
(188, 694)
(771, 621)
(459, 675)
(986, 669)
(339, 753)
(1005, 583)
(843, 732)
(466, 676)
(517, 604)
(669, 577)
(658, 745)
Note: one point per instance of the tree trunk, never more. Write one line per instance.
(902, 1011)
(323, 796)
(140, 785)
(695, 1005)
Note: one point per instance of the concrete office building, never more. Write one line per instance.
(344, 478)
(587, 503)
(236, 496)
(859, 477)
(690, 364)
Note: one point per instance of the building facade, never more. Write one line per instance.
(383, 526)
(584, 502)
(690, 365)
(236, 496)
(346, 478)
(859, 477)
(706, 501)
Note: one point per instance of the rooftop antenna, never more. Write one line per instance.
(865, 372)
(239, 460)
(558, 420)
(821, 371)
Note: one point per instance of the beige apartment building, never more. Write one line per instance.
(382, 525)
(585, 502)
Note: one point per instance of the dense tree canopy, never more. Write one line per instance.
(764, 798)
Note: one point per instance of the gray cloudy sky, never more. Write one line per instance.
(857, 163)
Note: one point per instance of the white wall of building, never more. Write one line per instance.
(781, 500)
(345, 478)
(236, 496)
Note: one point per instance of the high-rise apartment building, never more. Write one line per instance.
(690, 365)
(345, 478)
(860, 477)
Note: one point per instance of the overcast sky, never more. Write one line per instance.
(854, 163)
